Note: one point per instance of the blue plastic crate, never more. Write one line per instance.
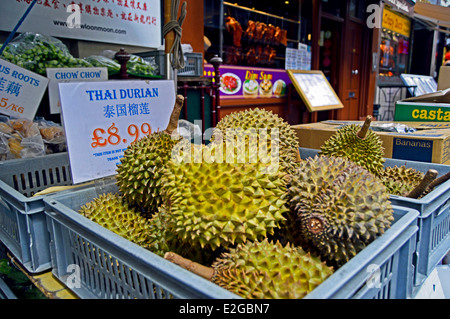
(23, 227)
(434, 219)
(96, 263)
(382, 270)
(78, 243)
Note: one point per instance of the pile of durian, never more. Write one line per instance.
(245, 211)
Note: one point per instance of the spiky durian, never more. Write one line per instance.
(400, 180)
(273, 127)
(264, 270)
(358, 144)
(162, 239)
(337, 208)
(140, 170)
(113, 212)
(218, 201)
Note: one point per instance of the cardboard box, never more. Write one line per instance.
(433, 107)
(430, 142)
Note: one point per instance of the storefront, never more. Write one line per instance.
(395, 45)
(257, 42)
(329, 36)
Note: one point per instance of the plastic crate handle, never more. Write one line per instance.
(443, 208)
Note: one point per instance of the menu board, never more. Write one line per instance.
(423, 84)
(315, 90)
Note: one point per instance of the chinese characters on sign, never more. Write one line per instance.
(21, 91)
(134, 22)
(102, 118)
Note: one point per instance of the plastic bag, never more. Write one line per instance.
(53, 136)
(136, 66)
(139, 67)
(23, 138)
(102, 61)
(37, 52)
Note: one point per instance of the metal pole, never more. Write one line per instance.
(169, 39)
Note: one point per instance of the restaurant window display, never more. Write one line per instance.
(394, 46)
(256, 41)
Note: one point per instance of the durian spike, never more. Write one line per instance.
(196, 268)
(439, 181)
(427, 179)
(173, 122)
(363, 130)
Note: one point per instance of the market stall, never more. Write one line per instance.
(136, 207)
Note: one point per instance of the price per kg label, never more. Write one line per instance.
(10, 106)
(112, 136)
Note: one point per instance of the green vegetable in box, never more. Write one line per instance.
(139, 67)
(37, 52)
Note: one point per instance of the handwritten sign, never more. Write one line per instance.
(315, 90)
(21, 91)
(102, 118)
(57, 75)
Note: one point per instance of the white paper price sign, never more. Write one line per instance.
(102, 118)
(57, 75)
(21, 91)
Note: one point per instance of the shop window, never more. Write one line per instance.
(335, 8)
(394, 45)
(253, 33)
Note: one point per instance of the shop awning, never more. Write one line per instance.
(435, 16)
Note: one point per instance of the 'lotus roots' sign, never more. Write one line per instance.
(21, 91)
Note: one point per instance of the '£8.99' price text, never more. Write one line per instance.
(10, 106)
(111, 136)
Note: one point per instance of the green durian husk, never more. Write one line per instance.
(113, 212)
(140, 170)
(367, 152)
(268, 270)
(337, 208)
(218, 201)
(400, 180)
(264, 122)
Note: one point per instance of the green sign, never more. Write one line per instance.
(419, 112)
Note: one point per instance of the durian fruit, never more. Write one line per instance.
(400, 180)
(358, 144)
(162, 239)
(263, 270)
(337, 208)
(269, 124)
(111, 211)
(421, 189)
(140, 170)
(218, 202)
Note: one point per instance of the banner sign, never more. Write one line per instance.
(21, 91)
(102, 118)
(395, 22)
(249, 82)
(131, 22)
(57, 75)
